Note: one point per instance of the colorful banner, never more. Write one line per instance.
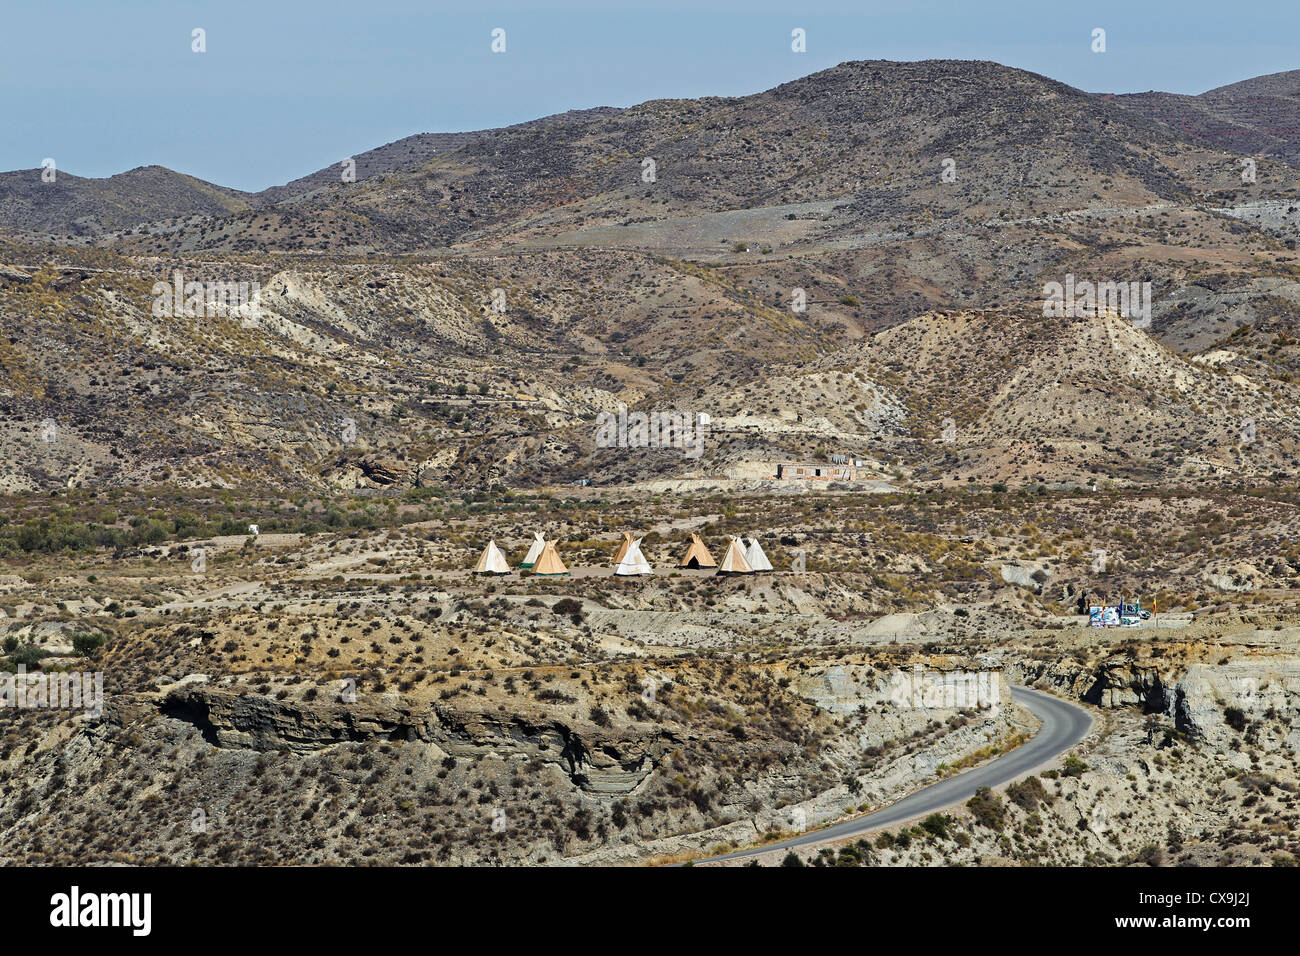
(1107, 616)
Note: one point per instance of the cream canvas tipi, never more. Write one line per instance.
(622, 548)
(534, 552)
(492, 561)
(734, 562)
(548, 562)
(633, 561)
(697, 555)
(755, 556)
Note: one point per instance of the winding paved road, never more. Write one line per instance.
(1064, 725)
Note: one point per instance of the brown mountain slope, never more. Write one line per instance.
(867, 138)
(1016, 396)
(408, 151)
(75, 206)
(1255, 117)
(680, 292)
(838, 179)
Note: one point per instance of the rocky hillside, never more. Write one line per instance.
(865, 142)
(73, 206)
(799, 265)
(1074, 399)
(1255, 117)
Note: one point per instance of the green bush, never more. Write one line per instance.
(28, 655)
(88, 643)
(987, 809)
(936, 824)
(567, 606)
(1028, 793)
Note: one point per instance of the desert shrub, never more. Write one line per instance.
(1073, 767)
(1027, 794)
(987, 808)
(88, 643)
(1150, 854)
(28, 655)
(936, 824)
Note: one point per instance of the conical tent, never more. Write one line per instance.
(548, 562)
(492, 561)
(733, 562)
(697, 555)
(755, 556)
(534, 552)
(634, 561)
(622, 548)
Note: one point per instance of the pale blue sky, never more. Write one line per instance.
(288, 87)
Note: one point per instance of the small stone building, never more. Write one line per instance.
(816, 471)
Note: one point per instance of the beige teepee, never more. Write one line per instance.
(492, 561)
(697, 555)
(622, 548)
(633, 561)
(534, 552)
(733, 562)
(548, 562)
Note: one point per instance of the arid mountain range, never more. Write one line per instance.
(852, 263)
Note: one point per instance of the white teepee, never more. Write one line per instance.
(755, 556)
(492, 561)
(534, 552)
(634, 561)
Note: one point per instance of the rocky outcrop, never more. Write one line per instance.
(596, 764)
(256, 722)
(1235, 577)
(250, 721)
(1030, 576)
(1218, 703)
(15, 276)
(1120, 682)
(368, 471)
(1198, 699)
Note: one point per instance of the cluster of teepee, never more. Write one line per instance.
(542, 559)
(743, 556)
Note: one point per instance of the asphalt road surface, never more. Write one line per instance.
(1064, 725)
